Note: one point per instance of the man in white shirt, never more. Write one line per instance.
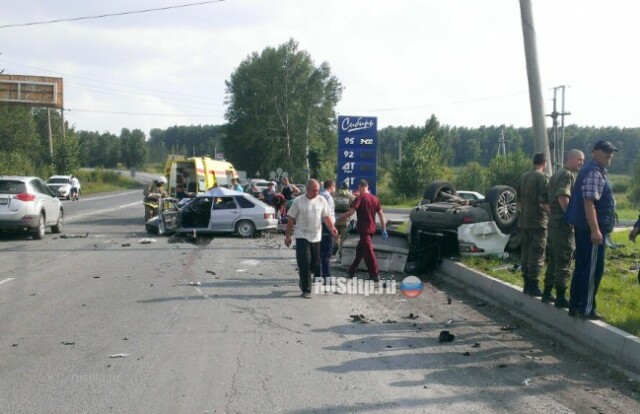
(308, 213)
(75, 188)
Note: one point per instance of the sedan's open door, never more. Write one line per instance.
(168, 215)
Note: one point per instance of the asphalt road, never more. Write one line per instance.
(244, 341)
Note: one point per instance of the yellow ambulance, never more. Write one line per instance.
(197, 174)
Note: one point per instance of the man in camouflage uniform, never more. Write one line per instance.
(561, 243)
(342, 200)
(533, 201)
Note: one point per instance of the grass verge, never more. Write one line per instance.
(100, 181)
(619, 293)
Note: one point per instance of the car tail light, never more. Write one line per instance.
(26, 197)
(476, 249)
(268, 216)
(470, 248)
(467, 220)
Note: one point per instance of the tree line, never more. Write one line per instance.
(281, 113)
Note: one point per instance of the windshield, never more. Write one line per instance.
(58, 181)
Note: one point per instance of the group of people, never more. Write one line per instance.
(568, 216)
(313, 216)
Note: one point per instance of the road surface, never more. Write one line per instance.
(106, 324)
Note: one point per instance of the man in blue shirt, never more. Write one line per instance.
(592, 212)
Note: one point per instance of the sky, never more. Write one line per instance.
(399, 60)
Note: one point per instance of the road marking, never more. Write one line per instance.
(9, 279)
(105, 210)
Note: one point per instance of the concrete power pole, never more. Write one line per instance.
(557, 139)
(541, 143)
(502, 149)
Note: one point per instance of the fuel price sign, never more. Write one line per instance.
(357, 151)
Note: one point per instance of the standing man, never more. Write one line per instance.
(343, 199)
(326, 245)
(289, 191)
(560, 239)
(269, 193)
(366, 205)
(308, 213)
(534, 206)
(75, 188)
(592, 212)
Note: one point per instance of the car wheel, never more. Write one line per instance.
(151, 229)
(57, 228)
(433, 190)
(245, 228)
(38, 233)
(502, 201)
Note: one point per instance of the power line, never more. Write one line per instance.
(100, 16)
(460, 102)
(207, 99)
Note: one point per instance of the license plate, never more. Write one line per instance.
(4, 201)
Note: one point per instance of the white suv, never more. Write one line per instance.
(26, 203)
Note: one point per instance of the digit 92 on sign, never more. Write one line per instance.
(348, 154)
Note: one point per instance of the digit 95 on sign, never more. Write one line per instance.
(357, 150)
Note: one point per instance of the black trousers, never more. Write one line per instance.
(308, 258)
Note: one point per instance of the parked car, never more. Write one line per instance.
(219, 210)
(256, 186)
(61, 186)
(27, 204)
(446, 224)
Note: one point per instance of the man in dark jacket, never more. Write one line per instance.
(592, 213)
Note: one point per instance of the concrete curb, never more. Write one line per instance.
(621, 348)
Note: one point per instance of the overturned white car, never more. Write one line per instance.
(446, 224)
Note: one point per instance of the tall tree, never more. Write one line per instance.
(420, 164)
(133, 148)
(281, 112)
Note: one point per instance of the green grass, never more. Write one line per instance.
(100, 181)
(619, 293)
(625, 209)
(403, 228)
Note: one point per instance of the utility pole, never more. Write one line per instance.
(541, 143)
(502, 149)
(50, 134)
(557, 141)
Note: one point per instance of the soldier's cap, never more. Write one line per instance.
(605, 146)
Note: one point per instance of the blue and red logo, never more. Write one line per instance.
(411, 287)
